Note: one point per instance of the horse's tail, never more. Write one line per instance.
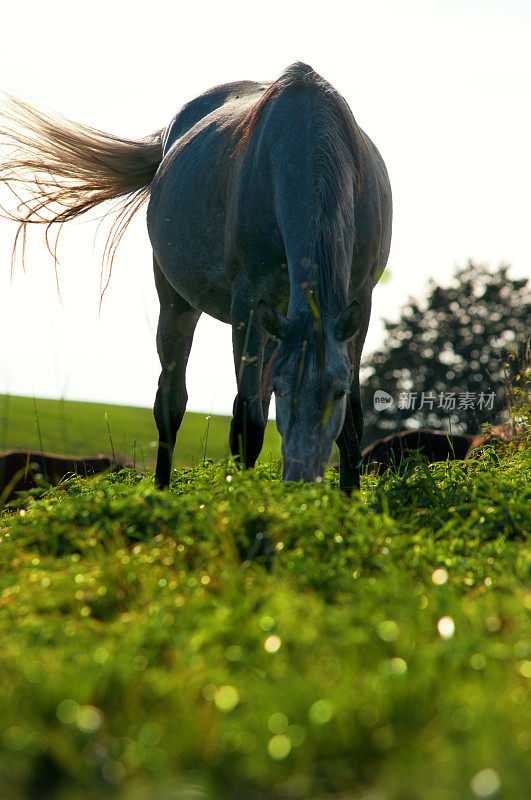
(57, 169)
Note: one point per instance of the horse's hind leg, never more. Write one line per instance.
(175, 332)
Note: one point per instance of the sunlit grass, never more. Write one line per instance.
(261, 641)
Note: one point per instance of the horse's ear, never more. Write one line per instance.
(348, 322)
(271, 320)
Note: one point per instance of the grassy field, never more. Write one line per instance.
(240, 639)
(84, 429)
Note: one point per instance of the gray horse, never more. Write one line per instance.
(269, 209)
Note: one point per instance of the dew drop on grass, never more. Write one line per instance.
(101, 655)
(279, 747)
(226, 698)
(446, 627)
(278, 723)
(485, 783)
(296, 735)
(89, 719)
(321, 711)
(66, 711)
(398, 666)
(525, 669)
(493, 623)
(388, 630)
(272, 644)
(234, 652)
(439, 576)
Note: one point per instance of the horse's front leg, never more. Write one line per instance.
(349, 444)
(349, 441)
(175, 331)
(250, 411)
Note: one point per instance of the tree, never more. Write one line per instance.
(444, 362)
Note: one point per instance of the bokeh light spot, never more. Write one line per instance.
(388, 630)
(226, 698)
(279, 747)
(446, 627)
(525, 669)
(278, 723)
(272, 644)
(321, 711)
(485, 783)
(439, 576)
(67, 711)
(89, 719)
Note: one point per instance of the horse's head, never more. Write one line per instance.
(310, 377)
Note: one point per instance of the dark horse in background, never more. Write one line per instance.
(22, 470)
(390, 451)
(270, 210)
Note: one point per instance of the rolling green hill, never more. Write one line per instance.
(65, 427)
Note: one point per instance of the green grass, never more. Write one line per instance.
(238, 639)
(65, 427)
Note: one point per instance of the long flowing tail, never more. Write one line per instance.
(57, 169)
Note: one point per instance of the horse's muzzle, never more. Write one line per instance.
(295, 469)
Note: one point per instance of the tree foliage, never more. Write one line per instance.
(445, 361)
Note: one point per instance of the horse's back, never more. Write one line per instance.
(187, 210)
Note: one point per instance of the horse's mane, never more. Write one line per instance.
(300, 75)
(340, 153)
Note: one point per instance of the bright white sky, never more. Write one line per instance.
(441, 86)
